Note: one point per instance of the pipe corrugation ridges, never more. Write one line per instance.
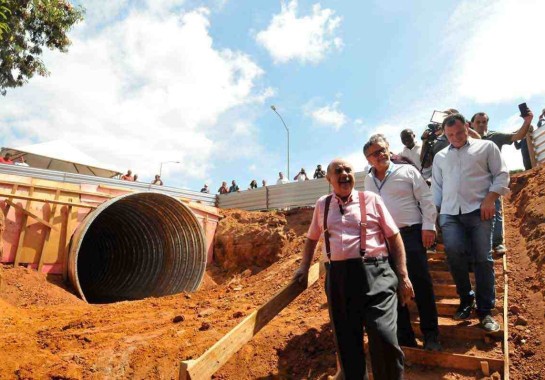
(136, 246)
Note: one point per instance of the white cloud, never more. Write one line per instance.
(329, 115)
(148, 88)
(502, 58)
(306, 39)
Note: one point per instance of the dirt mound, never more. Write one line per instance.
(26, 287)
(525, 237)
(251, 240)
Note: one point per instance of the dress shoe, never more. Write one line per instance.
(464, 310)
(489, 324)
(431, 343)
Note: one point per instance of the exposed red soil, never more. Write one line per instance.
(47, 332)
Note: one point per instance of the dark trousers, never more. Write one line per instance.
(364, 295)
(419, 274)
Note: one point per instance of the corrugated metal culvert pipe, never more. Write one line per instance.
(136, 246)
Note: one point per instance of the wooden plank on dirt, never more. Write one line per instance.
(44, 200)
(24, 227)
(505, 320)
(217, 355)
(48, 232)
(31, 214)
(450, 360)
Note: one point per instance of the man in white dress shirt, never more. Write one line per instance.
(408, 199)
(412, 148)
(468, 176)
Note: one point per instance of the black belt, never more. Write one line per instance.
(411, 228)
(375, 260)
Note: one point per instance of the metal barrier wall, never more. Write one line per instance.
(538, 137)
(293, 194)
(207, 199)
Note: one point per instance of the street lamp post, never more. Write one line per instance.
(166, 162)
(288, 131)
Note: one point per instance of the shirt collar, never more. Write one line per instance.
(388, 171)
(469, 141)
(350, 197)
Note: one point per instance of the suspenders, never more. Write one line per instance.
(363, 224)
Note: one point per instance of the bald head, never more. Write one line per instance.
(336, 162)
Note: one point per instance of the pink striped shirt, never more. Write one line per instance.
(344, 228)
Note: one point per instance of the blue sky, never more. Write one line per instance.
(151, 81)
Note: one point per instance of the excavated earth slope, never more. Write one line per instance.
(47, 332)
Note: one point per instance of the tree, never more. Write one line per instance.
(26, 27)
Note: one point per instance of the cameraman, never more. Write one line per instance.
(301, 176)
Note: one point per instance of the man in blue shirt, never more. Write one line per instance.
(468, 176)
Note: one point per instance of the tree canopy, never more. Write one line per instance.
(26, 27)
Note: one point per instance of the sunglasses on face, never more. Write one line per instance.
(377, 153)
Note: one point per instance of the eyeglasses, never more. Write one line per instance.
(377, 153)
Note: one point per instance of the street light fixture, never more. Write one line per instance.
(288, 131)
(166, 162)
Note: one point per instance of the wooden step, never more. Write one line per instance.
(446, 307)
(444, 276)
(445, 290)
(451, 360)
(460, 330)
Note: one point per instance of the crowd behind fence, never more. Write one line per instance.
(294, 194)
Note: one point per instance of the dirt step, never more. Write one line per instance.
(445, 290)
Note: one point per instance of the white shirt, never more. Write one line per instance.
(406, 195)
(463, 177)
(413, 154)
(282, 181)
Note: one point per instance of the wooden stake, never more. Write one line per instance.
(217, 355)
(485, 368)
(24, 227)
(48, 232)
(13, 191)
(65, 244)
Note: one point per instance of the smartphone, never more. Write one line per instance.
(523, 108)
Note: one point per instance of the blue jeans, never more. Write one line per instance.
(497, 225)
(463, 232)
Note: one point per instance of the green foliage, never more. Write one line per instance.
(29, 26)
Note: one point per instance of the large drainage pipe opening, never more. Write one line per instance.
(136, 246)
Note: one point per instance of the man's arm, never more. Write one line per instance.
(397, 250)
(500, 182)
(422, 194)
(521, 133)
(301, 274)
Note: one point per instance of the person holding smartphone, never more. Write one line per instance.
(479, 121)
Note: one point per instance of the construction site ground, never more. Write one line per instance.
(48, 332)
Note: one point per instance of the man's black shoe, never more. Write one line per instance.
(464, 310)
(431, 343)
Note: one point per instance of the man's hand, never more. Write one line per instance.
(488, 207)
(301, 274)
(405, 290)
(428, 238)
(528, 118)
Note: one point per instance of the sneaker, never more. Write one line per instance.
(500, 249)
(464, 310)
(431, 343)
(489, 324)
